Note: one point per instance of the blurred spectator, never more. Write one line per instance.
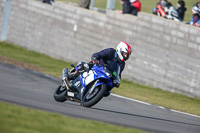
(196, 14)
(126, 6)
(166, 10)
(171, 12)
(181, 9)
(84, 4)
(51, 2)
(158, 10)
(136, 6)
(131, 6)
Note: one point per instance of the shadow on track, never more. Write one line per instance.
(147, 117)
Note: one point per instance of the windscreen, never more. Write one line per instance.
(114, 68)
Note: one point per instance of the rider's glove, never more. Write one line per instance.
(94, 60)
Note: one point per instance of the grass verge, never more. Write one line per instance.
(129, 89)
(17, 119)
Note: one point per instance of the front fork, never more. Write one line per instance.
(92, 88)
(97, 83)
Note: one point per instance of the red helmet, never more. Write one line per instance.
(123, 51)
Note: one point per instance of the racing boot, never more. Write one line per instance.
(65, 78)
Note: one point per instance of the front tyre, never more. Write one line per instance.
(59, 94)
(91, 99)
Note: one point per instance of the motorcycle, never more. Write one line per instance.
(90, 86)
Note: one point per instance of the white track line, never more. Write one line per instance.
(130, 99)
(153, 105)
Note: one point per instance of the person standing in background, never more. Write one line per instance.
(196, 14)
(84, 4)
(137, 5)
(181, 9)
(51, 2)
(131, 6)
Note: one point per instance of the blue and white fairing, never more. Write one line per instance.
(107, 75)
(98, 75)
(94, 74)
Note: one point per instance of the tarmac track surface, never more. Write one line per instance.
(33, 89)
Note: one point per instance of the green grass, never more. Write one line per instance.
(51, 66)
(147, 5)
(17, 119)
(129, 89)
(159, 97)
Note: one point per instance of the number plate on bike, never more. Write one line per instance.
(71, 94)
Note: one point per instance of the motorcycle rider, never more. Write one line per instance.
(121, 54)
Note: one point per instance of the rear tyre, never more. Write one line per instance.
(91, 99)
(59, 94)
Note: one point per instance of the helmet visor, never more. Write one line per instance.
(125, 55)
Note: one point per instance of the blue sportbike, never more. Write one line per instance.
(90, 86)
